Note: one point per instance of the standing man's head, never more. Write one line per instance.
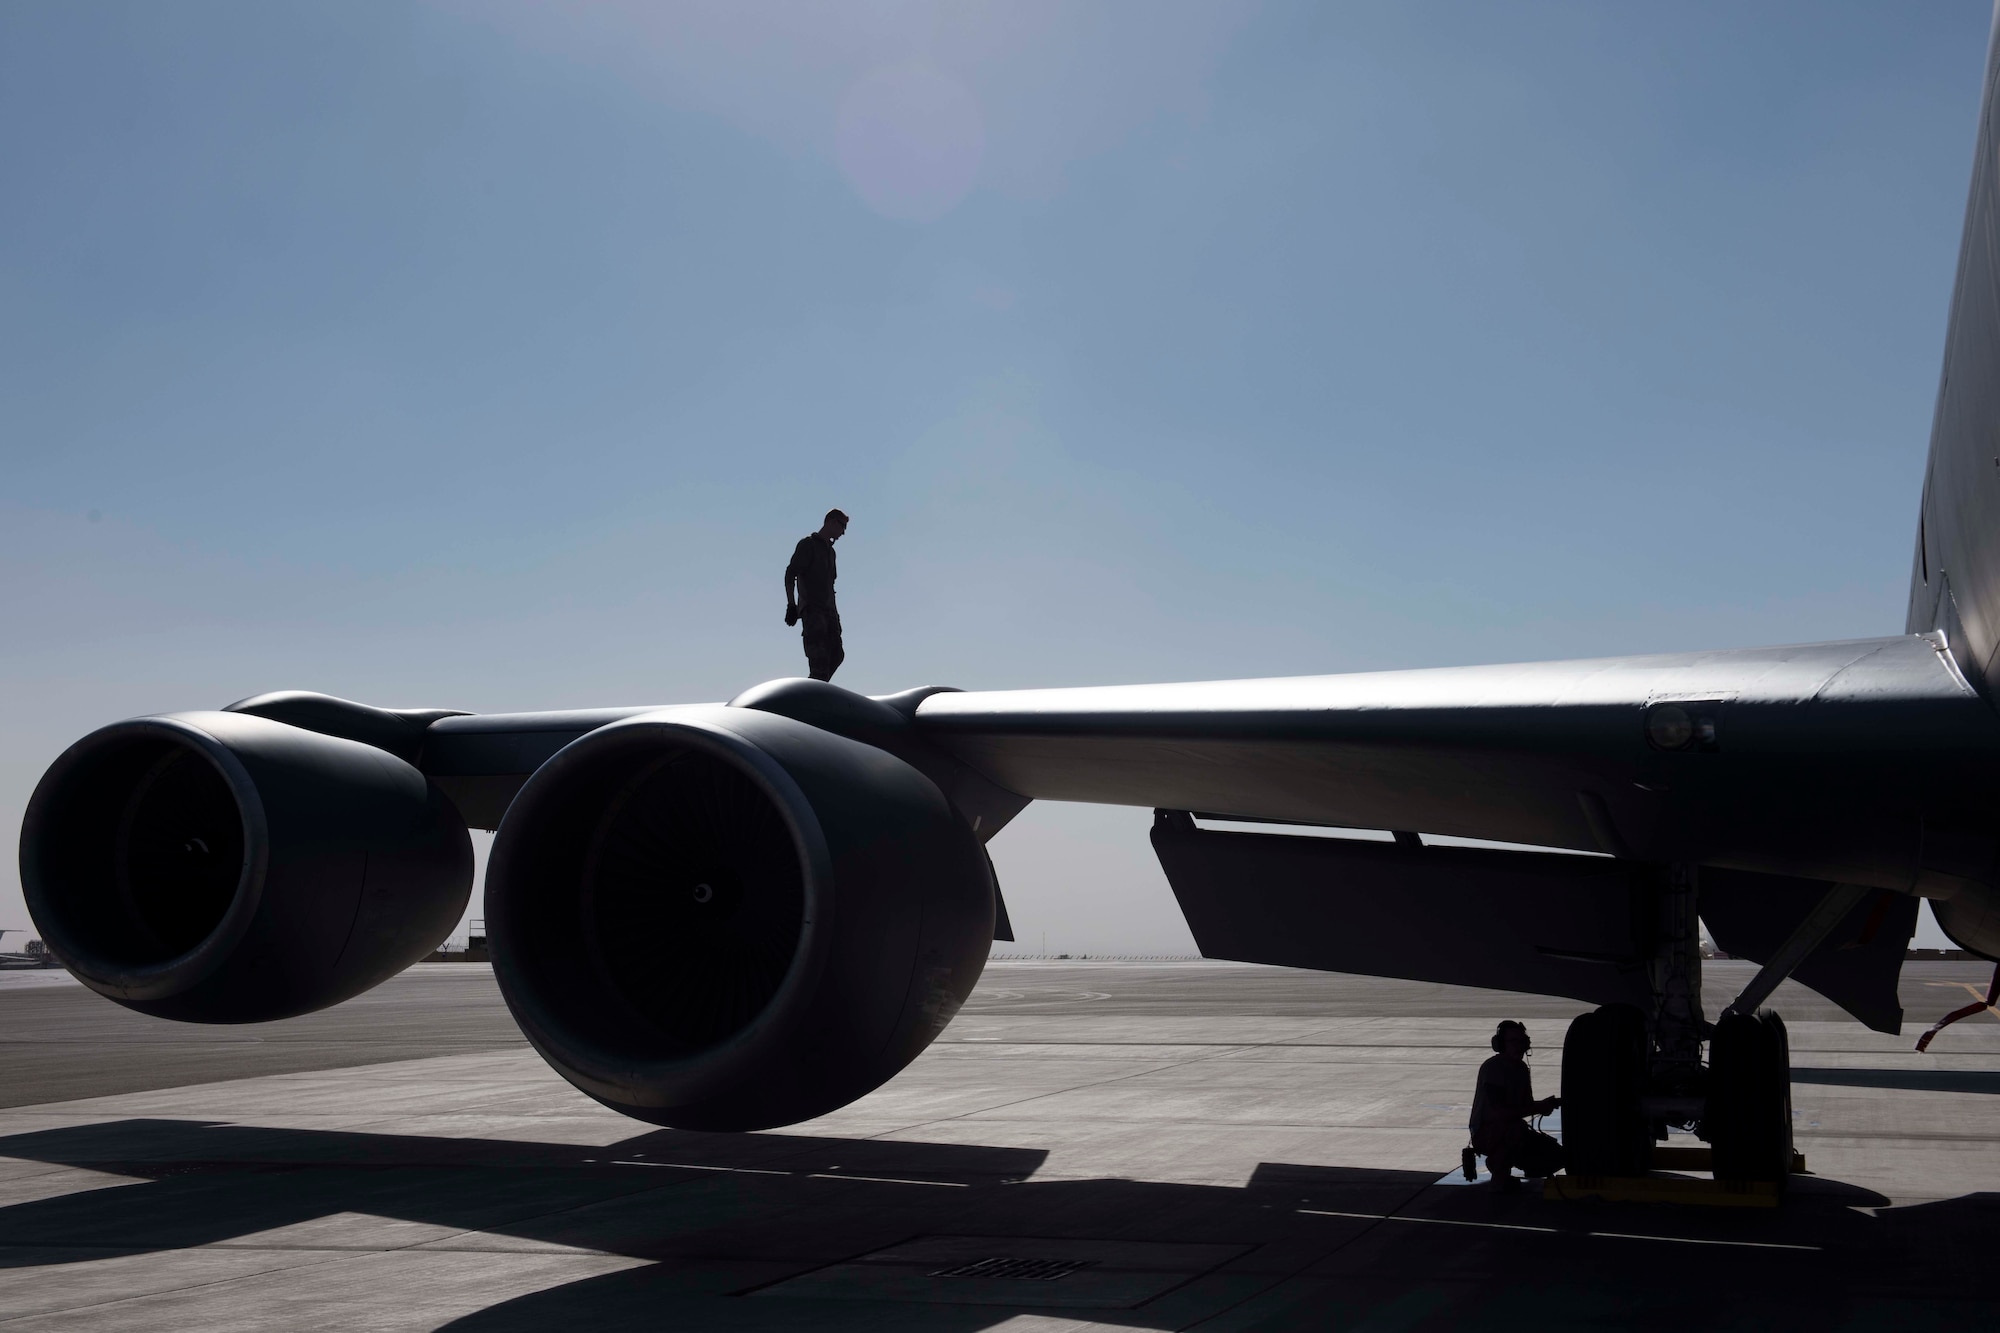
(1511, 1039)
(835, 524)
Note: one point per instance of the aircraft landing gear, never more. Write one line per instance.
(1748, 1122)
(1627, 1075)
(1604, 1075)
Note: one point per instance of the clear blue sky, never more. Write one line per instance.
(492, 355)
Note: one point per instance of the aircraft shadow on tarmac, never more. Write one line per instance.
(829, 1232)
(1906, 1080)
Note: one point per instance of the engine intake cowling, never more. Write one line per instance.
(722, 919)
(224, 868)
(1971, 919)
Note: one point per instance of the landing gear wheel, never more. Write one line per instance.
(1749, 1121)
(1603, 1075)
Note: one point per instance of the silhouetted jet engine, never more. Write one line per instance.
(1971, 919)
(725, 919)
(225, 868)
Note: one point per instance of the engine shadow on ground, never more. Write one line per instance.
(787, 1231)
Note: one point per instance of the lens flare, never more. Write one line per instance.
(909, 140)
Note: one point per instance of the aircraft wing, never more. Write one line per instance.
(1796, 760)
(1780, 771)
(1861, 761)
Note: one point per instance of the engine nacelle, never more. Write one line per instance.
(724, 919)
(225, 868)
(1971, 919)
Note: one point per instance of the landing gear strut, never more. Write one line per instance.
(1677, 1026)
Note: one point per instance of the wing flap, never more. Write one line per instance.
(1541, 922)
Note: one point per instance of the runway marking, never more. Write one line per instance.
(889, 1180)
(1699, 1240)
(994, 1002)
(810, 1175)
(1978, 993)
(1558, 1231)
(690, 1166)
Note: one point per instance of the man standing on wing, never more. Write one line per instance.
(809, 596)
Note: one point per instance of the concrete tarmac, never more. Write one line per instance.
(1090, 1145)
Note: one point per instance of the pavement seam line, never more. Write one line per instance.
(1120, 1078)
(192, 1286)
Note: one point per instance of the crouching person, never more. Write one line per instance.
(1501, 1105)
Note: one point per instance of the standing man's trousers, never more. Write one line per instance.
(823, 651)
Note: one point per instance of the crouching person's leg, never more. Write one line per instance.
(1501, 1149)
(1537, 1154)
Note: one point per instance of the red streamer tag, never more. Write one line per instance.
(1992, 994)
